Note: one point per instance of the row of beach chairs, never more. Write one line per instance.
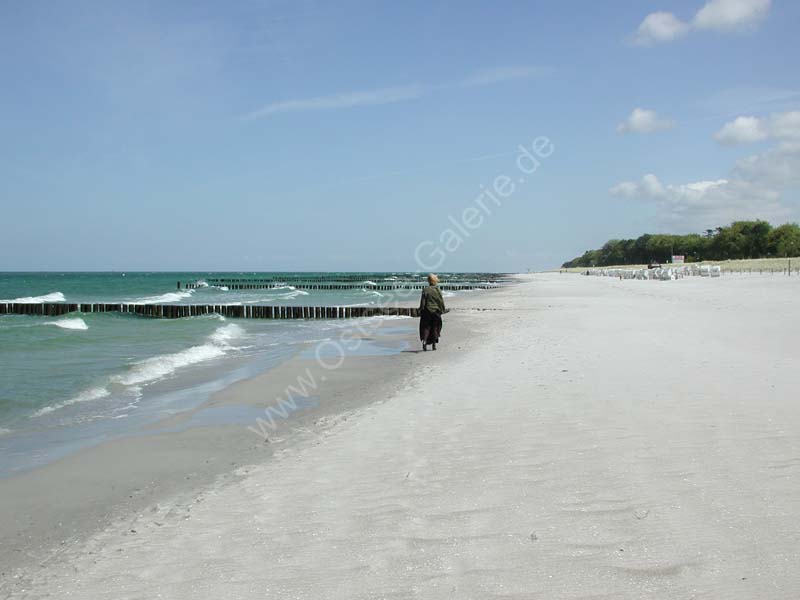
(659, 273)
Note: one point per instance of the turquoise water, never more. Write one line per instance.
(69, 381)
(160, 288)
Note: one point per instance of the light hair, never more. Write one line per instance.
(433, 279)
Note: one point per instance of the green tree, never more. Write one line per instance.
(751, 237)
(784, 241)
(659, 247)
(740, 239)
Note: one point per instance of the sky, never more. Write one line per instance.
(370, 135)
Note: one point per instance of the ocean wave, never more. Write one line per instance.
(95, 393)
(158, 367)
(373, 292)
(51, 297)
(165, 298)
(368, 282)
(4, 431)
(271, 298)
(154, 368)
(223, 335)
(76, 324)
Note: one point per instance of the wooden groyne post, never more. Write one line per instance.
(345, 286)
(178, 311)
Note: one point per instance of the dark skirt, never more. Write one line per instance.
(430, 327)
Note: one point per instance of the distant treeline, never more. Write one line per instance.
(741, 239)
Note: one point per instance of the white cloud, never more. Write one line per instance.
(346, 100)
(642, 120)
(731, 15)
(717, 15)
(650, 188)
(705, 203)
(659, 27)
(742, 130)
(499, 74)
(747, 129)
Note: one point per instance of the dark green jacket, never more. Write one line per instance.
(432, 300)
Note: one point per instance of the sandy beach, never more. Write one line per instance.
(583, 437)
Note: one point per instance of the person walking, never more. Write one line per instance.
(431, 309)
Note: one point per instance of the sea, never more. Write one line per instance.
(80, 379)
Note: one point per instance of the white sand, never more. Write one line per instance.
(605, 439)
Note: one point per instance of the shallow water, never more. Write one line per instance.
(71, 381)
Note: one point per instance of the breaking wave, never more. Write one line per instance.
(51, 297)
(165, 298)
(155, 368)
(94, 393)
(159, 367)
(76, 324)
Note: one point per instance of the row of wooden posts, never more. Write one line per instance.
(349, 278)
(340, 286)
(177, 311)
(787, 271)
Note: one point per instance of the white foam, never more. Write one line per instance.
(368, 282)
(222, 335)
(76, 324)
(281, 296)
(158, 367)
(4, 431)
(51, 297)
(95, 393)
(155, 368)
(165, 298)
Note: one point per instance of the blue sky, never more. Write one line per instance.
(341, 136)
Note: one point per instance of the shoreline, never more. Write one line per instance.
(175, 458)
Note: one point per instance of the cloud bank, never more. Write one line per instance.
(755, 187)
(702, 204)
